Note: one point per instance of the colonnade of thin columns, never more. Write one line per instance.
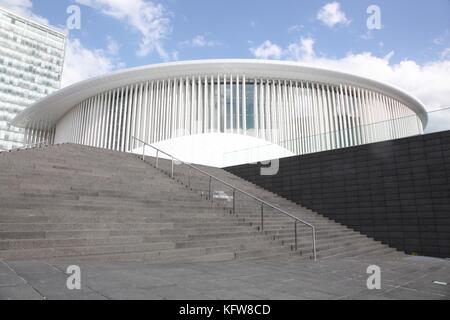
(302, 116)
(39, 133)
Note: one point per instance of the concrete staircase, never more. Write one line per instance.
(73, 203)
(333, 240)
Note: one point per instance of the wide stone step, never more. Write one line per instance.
(352, 250)
(267, 253)
(74, 242)
(237, 243)
(48, 253)
(370, 251)
(77, 202)
(18, 227)
(158, 257)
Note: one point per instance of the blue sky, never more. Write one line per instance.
(409, 27)
(410, 51)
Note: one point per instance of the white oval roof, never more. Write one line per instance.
(51, 108)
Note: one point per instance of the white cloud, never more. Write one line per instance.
(331, 15)
(438, 121)
(22, 7)
(446, 53)
(82, 63)
(442, 38)
(428, 81)
(303, 50)
(113, 46)
(295, 28)
(151, 20)
(200, 41)
(267, 50)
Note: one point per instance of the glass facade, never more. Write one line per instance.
(31, 63)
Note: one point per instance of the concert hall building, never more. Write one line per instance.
(225, 112)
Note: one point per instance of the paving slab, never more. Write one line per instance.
(270, 279)
(21, 292)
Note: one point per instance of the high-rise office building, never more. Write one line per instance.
(31, 64)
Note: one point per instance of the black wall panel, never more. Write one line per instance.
(397, 192)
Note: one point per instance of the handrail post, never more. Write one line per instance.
(157, 158)
(234, 201)
(210, 182)
(189, 177)
(235, 189)
(296, 241)
(314, 243)
(262, 216)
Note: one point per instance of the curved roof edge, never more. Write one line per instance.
(53, 107)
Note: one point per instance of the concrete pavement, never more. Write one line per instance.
(290, 279)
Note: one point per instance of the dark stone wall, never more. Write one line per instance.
(397, 192)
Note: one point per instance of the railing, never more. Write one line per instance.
(324, 141)
(336, 139)
(29, 146)
(263, 204)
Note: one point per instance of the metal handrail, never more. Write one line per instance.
(29, 146)
(211, 177)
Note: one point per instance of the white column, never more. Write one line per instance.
(103, 120)
(89, 121)
(355, 120)
(238, 105)
(373, 118)
(211, 105)
(244, 105)
(315, 123)
(362, 115)
(99, 121)
(279, 106)
(255, 108)
(206, 124)
(274, 112)
(303, 119)
(84, 129)
(92, 121)
(269, 125)
(225, 113)
(115, 120)
(123, 138)
(133, 104)
(129, 119)
(261, 108)
(231, 105)
(111, 119)
(199, 106)
(169, 114)
(218, 105)
(290, 116)
(175, 109)
(343, 118)
(120, 119)
(181, 107)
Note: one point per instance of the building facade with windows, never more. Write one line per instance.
(225, 112)
(31, 64)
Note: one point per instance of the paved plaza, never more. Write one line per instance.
(290, 279)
